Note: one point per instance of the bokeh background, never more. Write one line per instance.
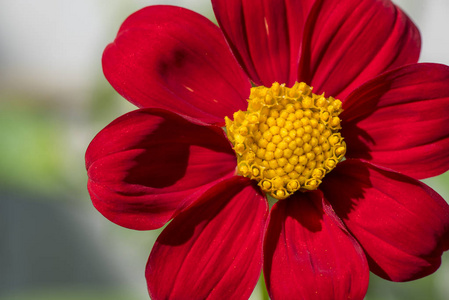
(53, 100)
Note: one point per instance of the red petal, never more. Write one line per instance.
(400, 120)
(402, 224)
(265, 36)
(172, 58)
(149, 164)
(309, 254)
(214, 249)
(348, 42)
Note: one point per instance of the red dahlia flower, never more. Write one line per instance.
(344, 165)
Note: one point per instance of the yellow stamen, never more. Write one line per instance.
(288, 139)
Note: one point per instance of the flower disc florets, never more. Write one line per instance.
(287, 139)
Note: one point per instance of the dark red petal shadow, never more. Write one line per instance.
(265, 36)
(212, 250)
(400, 120)
(309, 254)
(172, 58)
(348, 42)
(149, 164)
(402, 224)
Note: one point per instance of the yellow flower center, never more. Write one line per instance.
(288, 138)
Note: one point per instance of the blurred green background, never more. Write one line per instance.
(53, 100)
